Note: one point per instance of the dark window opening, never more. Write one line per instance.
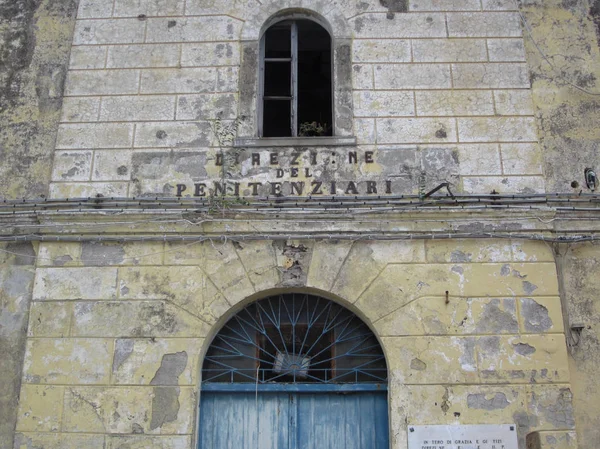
(295, 338)
(297, 80)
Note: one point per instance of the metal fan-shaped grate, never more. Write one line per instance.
(295, 338)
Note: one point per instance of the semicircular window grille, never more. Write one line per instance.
(295, 338)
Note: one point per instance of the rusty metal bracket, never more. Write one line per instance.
(441, 186)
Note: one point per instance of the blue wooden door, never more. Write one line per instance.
(293, 420)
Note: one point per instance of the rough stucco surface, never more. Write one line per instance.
(35, 41)
(34, 49)
(16, 282)
(566, 33)
(580, 265)
(567, 117)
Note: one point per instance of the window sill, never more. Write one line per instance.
(329, 141)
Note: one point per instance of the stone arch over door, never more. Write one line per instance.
(399, 288)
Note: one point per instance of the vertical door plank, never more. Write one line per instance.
(352, 429)
(238, 420)
(343, 421)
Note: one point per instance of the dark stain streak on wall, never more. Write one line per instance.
(34, 53)
(35, 42)
(595, 13)
(395, 5)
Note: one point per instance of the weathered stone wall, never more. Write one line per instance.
(16, 284)
(35, 42)
(578, 265)
(441, 91)
(565, 68)
(116, 332)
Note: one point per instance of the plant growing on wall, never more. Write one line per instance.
(312, 129)
(225, 133)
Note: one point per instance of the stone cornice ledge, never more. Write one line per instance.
(265, 142)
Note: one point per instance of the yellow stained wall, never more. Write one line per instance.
(567, 119)
(563, 56)
(35, 41)
(491, 350)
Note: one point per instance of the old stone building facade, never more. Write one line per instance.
(447, 201)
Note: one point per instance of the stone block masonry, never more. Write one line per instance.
(436, 91)
(435, 76)
(102, 343)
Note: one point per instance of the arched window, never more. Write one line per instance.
(296, 80)
(295, 338)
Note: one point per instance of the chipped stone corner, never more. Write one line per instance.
(294, 260)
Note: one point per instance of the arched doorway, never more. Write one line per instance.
(294, 371)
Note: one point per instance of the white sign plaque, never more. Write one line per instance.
(463, 437)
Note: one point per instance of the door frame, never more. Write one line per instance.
(341, 388)
(291, 388)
